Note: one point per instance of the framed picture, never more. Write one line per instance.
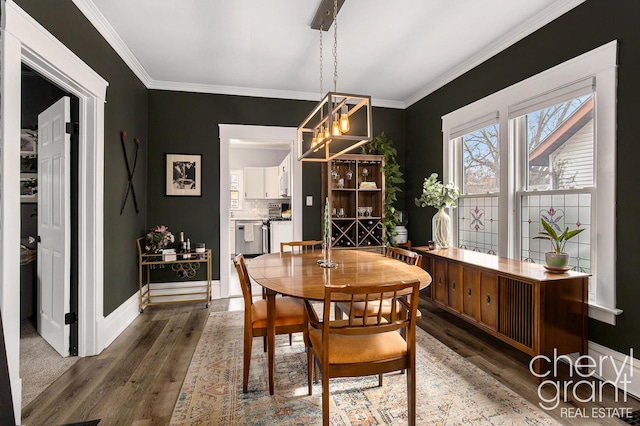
(183, 175)
(28, 142)
(29, 187)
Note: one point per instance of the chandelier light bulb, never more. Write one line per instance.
(344, 120)
(335, 129)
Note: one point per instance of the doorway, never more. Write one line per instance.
(255, 135)
(26, 42)
(37, 94)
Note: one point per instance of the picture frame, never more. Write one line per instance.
(28, 142)
(28, 192)
(183, 175)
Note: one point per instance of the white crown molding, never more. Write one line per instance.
(254, 92)
(93, 14)
(97, 19)
(554, 11)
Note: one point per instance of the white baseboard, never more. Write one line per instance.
(628, 367)
(116, 322)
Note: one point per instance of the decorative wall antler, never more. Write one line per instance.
(130, 171)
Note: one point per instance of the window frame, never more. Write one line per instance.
(600, 65)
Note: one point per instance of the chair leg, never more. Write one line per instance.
(248, 341)
(290, 339)
(325, 398)
(264, 343)
(380, 379)
(310, 370)
(411, 394)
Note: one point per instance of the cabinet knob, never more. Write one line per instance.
(469, 291)
(454, 285)
(488, 298)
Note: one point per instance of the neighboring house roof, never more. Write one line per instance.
(540, 155)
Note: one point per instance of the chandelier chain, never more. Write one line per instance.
(321, 71)
(335, 45)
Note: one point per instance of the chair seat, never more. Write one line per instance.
(357, 349)
(289, 311)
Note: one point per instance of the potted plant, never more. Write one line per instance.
(556, 259)
(393, 178)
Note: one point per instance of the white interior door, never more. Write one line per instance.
(53, 225)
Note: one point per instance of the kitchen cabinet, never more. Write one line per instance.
(271, 182)
(262, 183)
(284, 177)
(518, 302)
(281, 231)
(232, 238)
(254, 182)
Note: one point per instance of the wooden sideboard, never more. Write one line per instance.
(518, 302)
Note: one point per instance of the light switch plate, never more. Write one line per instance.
(309, 200)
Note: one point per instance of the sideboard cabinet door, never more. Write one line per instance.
(489, 300)
(454, 286)
(470, 292)
(440, 281)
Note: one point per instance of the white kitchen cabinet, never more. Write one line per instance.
(232, 238)
(271, 181)
(284, 177)
(281, 231)
(261, 183)
(254, 182)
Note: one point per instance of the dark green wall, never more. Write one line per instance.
(590, 25)
(187, 123)
(126, 109)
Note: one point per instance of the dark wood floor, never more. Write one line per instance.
(136, 380)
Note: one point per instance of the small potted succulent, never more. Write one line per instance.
(556, 259)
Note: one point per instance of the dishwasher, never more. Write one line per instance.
(249, 237)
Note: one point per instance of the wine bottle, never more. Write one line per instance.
(188, 248)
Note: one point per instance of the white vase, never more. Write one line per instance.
(441, 227)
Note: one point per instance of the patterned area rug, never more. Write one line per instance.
(450, 390)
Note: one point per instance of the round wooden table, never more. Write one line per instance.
(299, 275)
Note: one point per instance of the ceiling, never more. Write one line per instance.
(395, 51)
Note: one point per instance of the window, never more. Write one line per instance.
(480, 185)
(544, 147)
(557, 146)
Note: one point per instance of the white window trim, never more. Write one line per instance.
(601, 65)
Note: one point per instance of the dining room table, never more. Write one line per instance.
(300, 275)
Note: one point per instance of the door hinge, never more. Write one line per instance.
(71, 318)
(73, 128)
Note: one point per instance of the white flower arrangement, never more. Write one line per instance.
(436, 194)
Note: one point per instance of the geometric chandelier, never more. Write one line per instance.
(340, 122)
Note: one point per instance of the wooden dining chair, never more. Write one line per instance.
(300, 246)
(364, 345)
(406, 256)
(289, 316)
